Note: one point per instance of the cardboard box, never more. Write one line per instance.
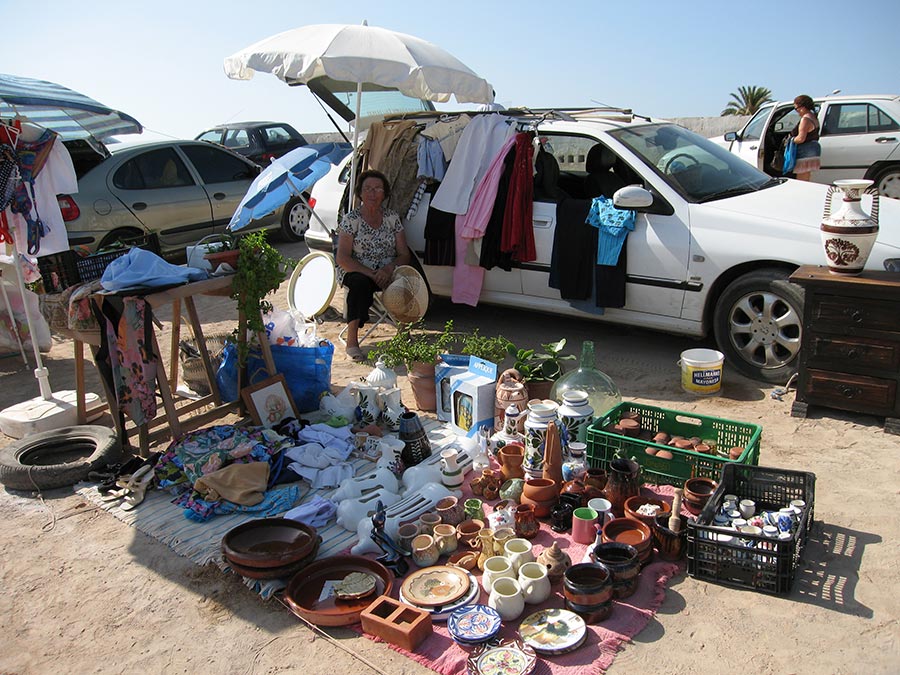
(447, 366)
(472, 397)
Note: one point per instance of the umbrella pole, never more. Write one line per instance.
(353, 159)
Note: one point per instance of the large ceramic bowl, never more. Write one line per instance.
(697, 492)
(304, 596)
(269, 542)
(632, 532)
(280, 572)
(632, 504)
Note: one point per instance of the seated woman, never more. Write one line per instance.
(371, 244)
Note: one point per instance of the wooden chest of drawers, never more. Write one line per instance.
(850, 353)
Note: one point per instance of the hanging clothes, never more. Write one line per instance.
(447, 131)
(491, 256)
(430, 159)
(613, 227)
(440, 237)
(391, 148)
(573, 258)
(518, 220)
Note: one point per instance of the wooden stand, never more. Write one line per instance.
(850, 354)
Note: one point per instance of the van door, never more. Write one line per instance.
(749, 143)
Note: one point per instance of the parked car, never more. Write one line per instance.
(860, 138)
(714, 242)
(259, 142)
(180, 190)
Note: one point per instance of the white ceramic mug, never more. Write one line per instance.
(534, 582)
(495, 567)
(506, 597)
(603, 507)
(518, 552)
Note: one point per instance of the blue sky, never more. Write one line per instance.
(161, 62)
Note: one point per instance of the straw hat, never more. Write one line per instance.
(406, 297)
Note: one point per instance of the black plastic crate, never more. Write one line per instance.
(604, 445)
(59, 271)
(92, 267)
(770, 566)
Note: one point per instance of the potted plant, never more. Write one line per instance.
(221, 248)
(261, 271)
(494, 349)
(418, 350)
(540, 370)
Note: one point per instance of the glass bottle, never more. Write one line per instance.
(602, 392)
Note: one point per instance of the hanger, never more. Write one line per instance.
(10, 132)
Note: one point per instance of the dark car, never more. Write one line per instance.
(259, 142)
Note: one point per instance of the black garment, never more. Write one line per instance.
(574, 254)
(491, 255)
(440, 237)
(360, 294)
(610, 280)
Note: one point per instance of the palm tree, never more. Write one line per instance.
(747, 101)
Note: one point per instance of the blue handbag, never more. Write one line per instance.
(790, 156)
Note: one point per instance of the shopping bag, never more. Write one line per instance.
(307, 371)
(790, 156)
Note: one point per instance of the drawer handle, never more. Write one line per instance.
(856, 315)
(848, 391)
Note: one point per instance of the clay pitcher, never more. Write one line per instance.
(511, 457)
(510, 390)
(624, 481)
(553, 455)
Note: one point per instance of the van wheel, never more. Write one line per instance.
(57, 458)
(758, 323)
(888, 182)
(295, 220)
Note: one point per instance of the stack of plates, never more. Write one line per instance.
(551, 632)
(473, 624)
(439, 590)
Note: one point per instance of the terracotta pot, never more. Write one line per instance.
(540, 490)
(632, 504)
(421, 379)
(596, 478)
(511, 457)
(539, 390)
(229, 257)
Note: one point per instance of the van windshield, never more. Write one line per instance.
(695, 167)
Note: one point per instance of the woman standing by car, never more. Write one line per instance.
(371, 244)
(806, 138)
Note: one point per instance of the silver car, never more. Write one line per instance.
(180, 190)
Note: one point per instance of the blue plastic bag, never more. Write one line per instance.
(307, 371)
(227, 374)
(790, 156)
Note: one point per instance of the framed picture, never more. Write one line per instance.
(269, 401)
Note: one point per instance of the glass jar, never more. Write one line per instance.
(602, 392)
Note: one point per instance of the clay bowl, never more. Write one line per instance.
(697, 492)
(269, 542)
(541, 507)
(632, 532)
(304, 596)
(669, 545)
(280, 572)
(540, 489)
(632, 504)
(464, 559)
(468, 531)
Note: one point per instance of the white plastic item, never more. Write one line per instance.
(357, 486)
(40, 414)
(352, 512)
(407, 509)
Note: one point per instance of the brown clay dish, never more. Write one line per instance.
(697, 492)
(632, 532)
(305, 588)
(632, 504)
(281, 572)
(269, 542)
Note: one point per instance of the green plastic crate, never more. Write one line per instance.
(604, 446)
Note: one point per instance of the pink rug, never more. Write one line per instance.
(629, 616)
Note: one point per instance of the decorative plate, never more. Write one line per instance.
(435, 586)
(509, 657)
(553, 631)
(474, 623)
(443, 612)
(355, 585)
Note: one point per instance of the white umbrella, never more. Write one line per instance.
(363, 55)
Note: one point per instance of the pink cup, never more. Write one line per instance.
(584, 525)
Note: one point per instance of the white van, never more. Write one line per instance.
(714, 242)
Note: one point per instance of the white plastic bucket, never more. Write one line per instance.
(701, 371)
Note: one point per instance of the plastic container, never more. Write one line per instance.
(603, 445)
(744, 560)
(93, 266)
(701, 371)
(58, 271)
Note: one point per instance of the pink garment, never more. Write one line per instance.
(468, 279)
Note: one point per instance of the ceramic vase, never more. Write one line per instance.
(540, 414)
(510, 392)
(416, 446)
(512, 456)
(576, 415)
(451, 510)
(391, 408)
(526, 525)
(513, 418)
(485, 546)
(451, 472)
(367, 410)
(623, 482)
(512, 489)
(849, 233)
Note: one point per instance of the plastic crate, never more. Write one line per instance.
(59, 271)
(770, 565)
(92, 267)
(604, 445)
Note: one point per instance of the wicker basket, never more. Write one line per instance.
(193, 373)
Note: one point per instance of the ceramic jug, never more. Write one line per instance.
(367, 410)
(540, 414)
(496, 567)
(534, 582)
(391, 408)
(451, 472)
(506, 597)
(623, 481)
(513, 418)
(485, 546)
(510, 392)
(518, 551)
(575, 414)
(526, 525)
(424, 550)
(849, 233)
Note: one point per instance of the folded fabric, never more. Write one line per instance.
(328, 436)
(316, 512)
(331, 476)
(243, 484)
(275, 501)
(140, 268)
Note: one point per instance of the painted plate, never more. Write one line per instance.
(443, 612)
(553, 631)
(474, 623)
(510, 657)
(436, 586)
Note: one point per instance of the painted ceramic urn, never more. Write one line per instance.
(848, 232)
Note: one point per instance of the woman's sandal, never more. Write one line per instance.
(355, 353)
(137, 489)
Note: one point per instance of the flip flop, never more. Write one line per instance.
(355, 353)
(138, 490)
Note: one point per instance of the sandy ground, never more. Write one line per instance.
(85, 593)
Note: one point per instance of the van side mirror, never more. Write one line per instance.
(731, 136)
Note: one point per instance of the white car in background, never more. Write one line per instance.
(715, 239)
(860, 138)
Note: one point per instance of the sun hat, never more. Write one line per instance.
(406, 297)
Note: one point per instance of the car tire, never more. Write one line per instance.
(887, 182)
(295, 220)
(758, 323)
(58, 458)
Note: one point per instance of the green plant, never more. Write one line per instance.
(538, 366)
(413, 344)
(260, 271)
(493, 349)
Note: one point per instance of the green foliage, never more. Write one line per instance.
(493, 349)
(261, 269)
(538, 366)
(748, 100)
(413, 344)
